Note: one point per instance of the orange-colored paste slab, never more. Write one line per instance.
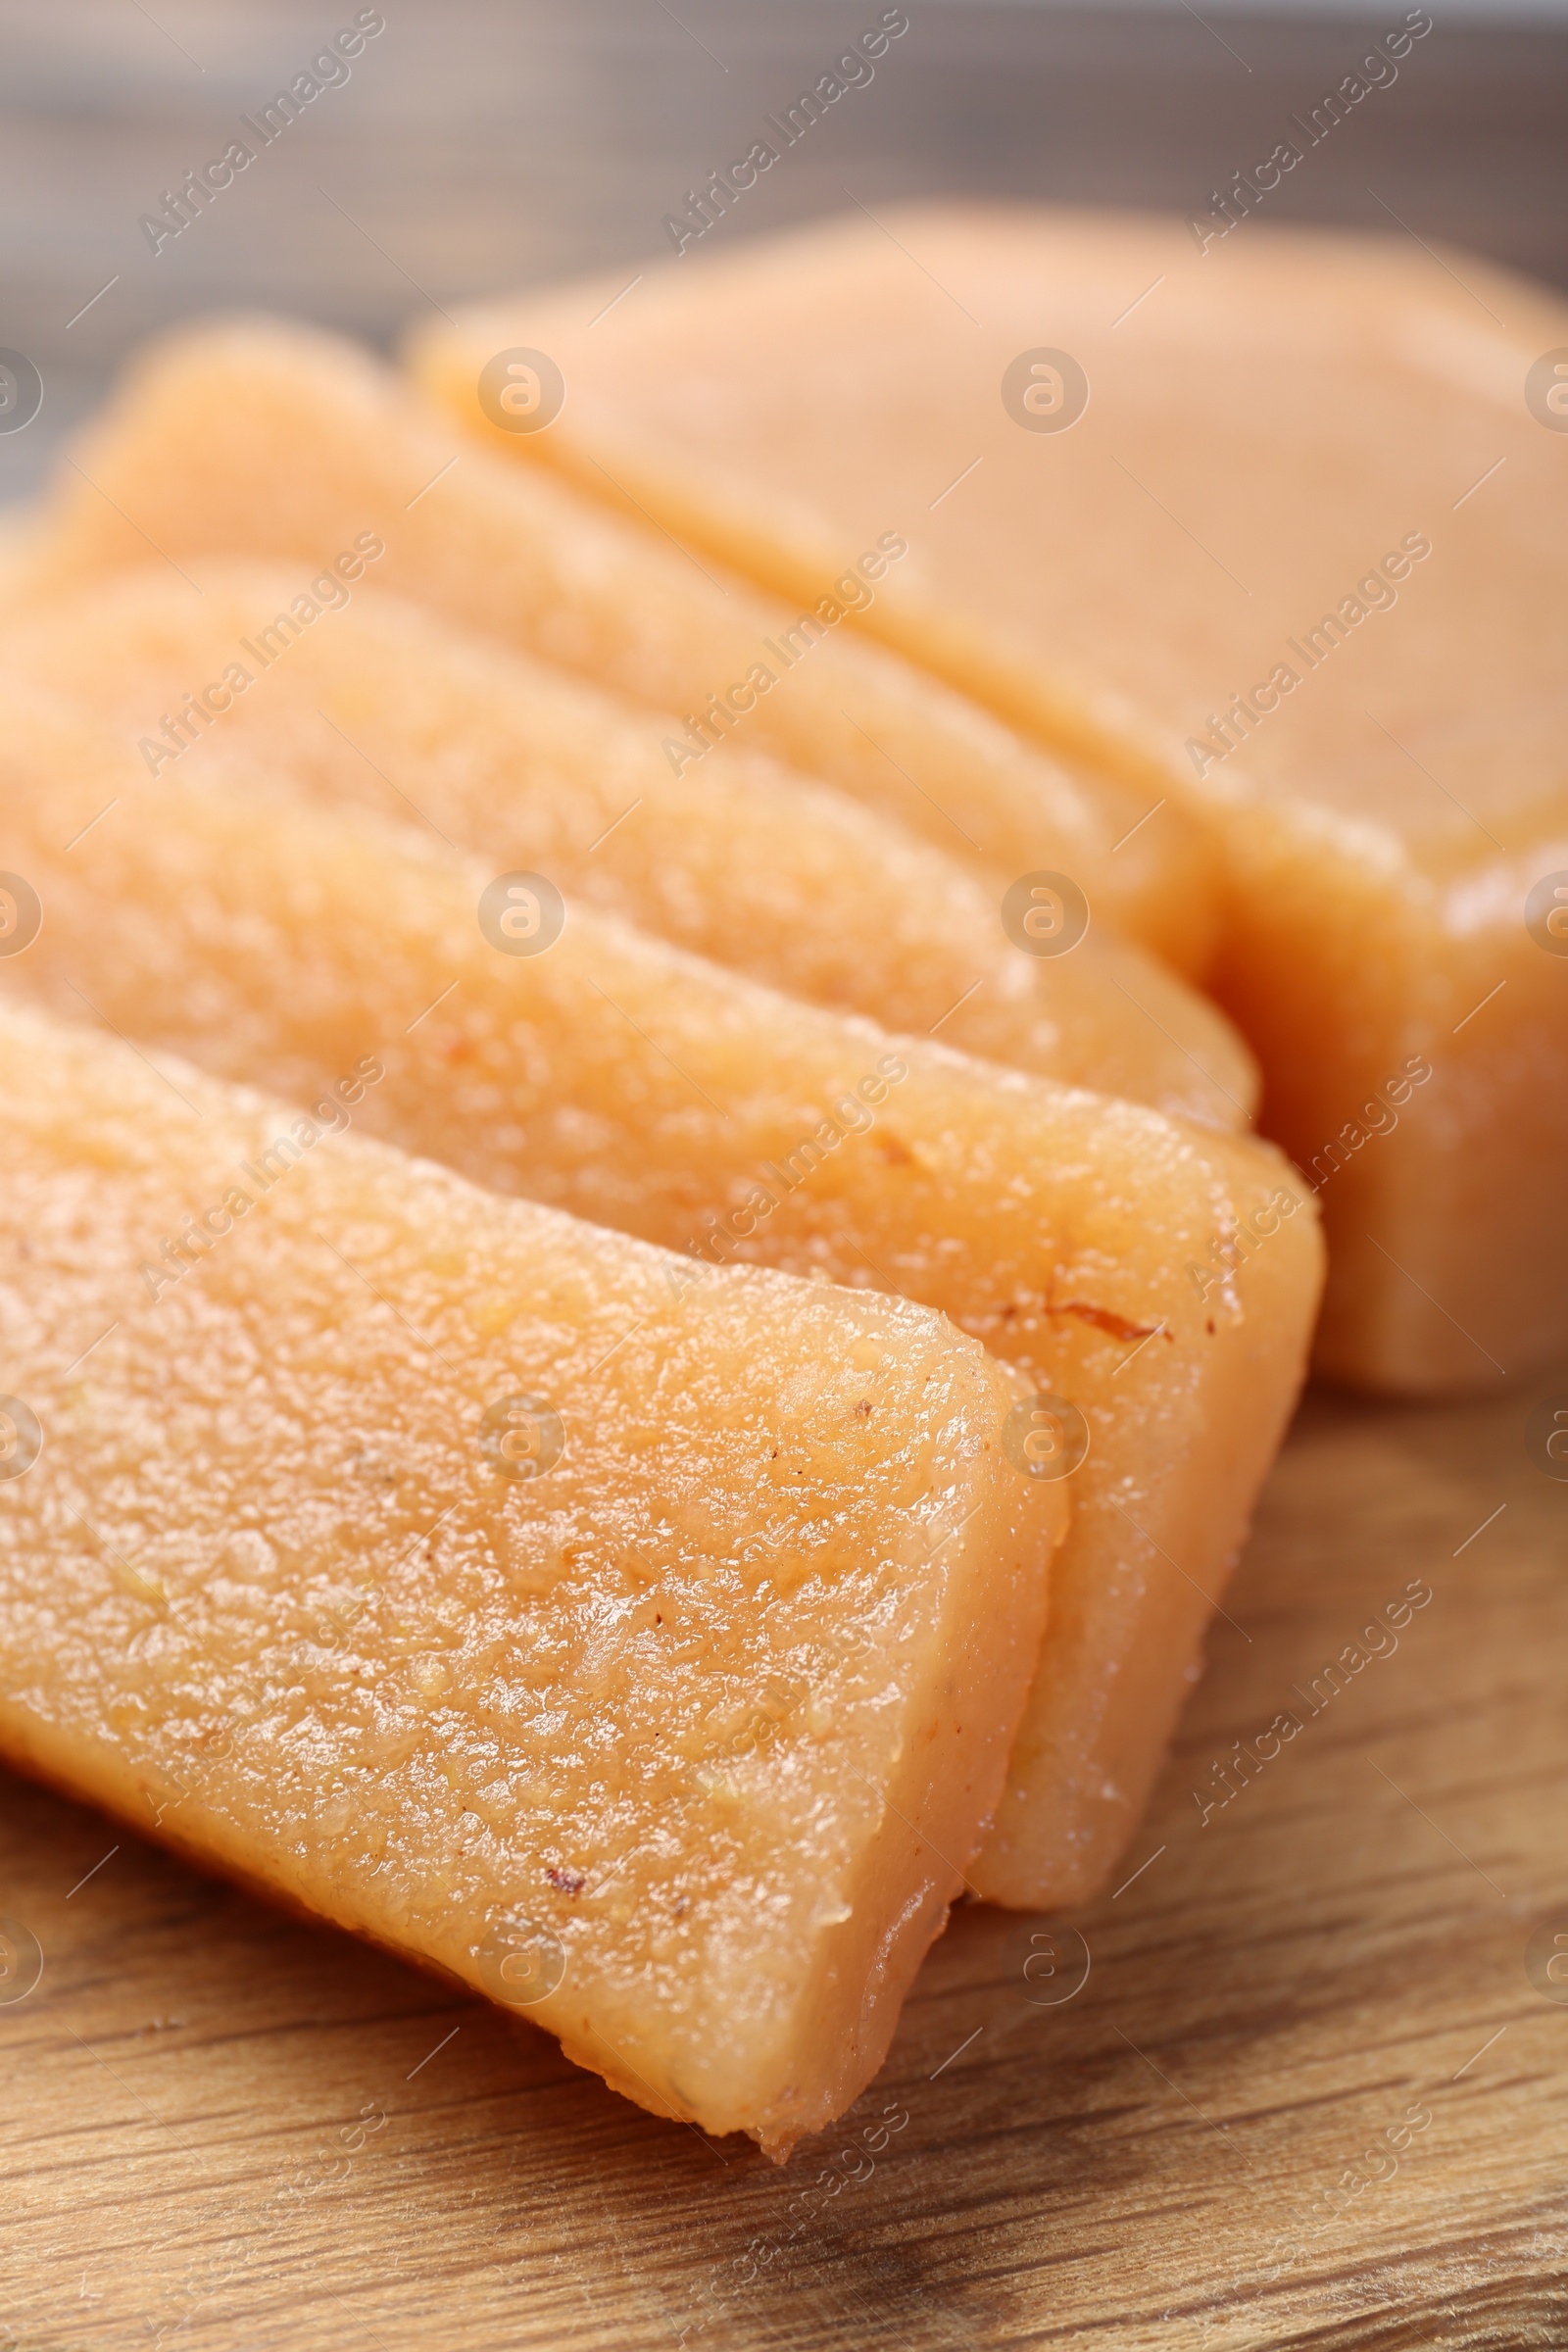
(646, 1660)
(1269, 522)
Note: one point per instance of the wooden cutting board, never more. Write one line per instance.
(1307, 2094)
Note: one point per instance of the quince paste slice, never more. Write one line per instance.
(1263, 520)
(645, 1660)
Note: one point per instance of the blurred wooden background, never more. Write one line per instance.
(485, 142)
(226, 2131)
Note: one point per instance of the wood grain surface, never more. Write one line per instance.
(225, 2129)
(222, 2128)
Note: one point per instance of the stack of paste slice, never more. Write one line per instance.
(640, 1617)
(1265, 522)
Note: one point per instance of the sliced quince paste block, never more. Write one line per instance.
(263, 439)
(384, 705)
(1154, 1280)
(1271, 522)
(646, 1660)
